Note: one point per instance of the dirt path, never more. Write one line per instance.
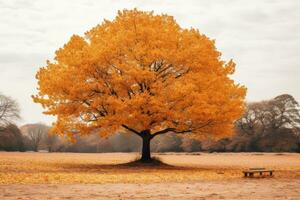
(238, 189)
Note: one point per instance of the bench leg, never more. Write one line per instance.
(251, 174)
(271, 173)
(260, 173)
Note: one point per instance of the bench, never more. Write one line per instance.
(260, 171)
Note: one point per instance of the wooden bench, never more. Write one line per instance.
(260, 171)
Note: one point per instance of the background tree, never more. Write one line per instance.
(271, 125)
(143, 73)
(283, 113)
(168, 142)
(9, 110)
(190, 145)
(51, 141)
(11, 138)
(35, 134)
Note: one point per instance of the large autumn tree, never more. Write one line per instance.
(142, 73)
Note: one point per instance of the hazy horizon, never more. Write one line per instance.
(260, 36)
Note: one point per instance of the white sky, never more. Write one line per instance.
(262, 36)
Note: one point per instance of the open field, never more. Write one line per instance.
(188, 176)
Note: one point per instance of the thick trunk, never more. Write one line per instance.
(146, 157)
(146, 152)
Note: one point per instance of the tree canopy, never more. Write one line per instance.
(144, 73)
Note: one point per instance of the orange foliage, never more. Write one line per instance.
(141, 71)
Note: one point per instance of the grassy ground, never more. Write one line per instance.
(184, 176)
(69, 168)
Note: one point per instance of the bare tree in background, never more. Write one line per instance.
(272, 125)
(36, 133)
(9, 110)
(51, 140)
(284, 113)
(264, 117)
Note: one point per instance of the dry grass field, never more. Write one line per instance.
(107, 176)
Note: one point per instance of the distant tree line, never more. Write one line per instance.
(272, 126)
(266, 126)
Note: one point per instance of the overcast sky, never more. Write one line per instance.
(262, 36)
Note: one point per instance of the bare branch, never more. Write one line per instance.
(181, 131)
(9, 110)
(131, 129)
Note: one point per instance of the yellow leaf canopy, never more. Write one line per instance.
(141, 72)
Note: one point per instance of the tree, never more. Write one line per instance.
(283, 112)
(268, 116)
(9, 110)
(143, 73)
(190, 145)
(272, 125)
(168, 142)
(51, 141)
(11, 138)
(35, 134)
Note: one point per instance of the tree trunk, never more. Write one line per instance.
(146, 152)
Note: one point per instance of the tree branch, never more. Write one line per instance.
(131, 129)
(163, 131)
(170, 130)
(178, 131)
